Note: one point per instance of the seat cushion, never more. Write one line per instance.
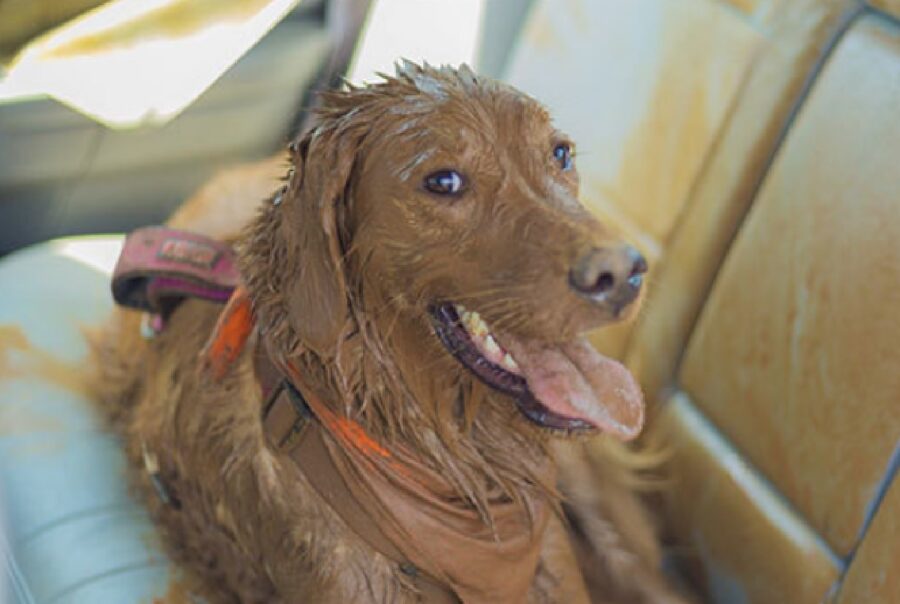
(73, 533)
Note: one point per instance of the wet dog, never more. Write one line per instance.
(418, 284)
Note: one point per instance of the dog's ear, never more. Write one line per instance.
(312, 223)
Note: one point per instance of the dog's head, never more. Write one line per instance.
(442, 209)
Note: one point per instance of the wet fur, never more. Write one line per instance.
(340, 262)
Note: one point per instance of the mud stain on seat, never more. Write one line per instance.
(20, 359)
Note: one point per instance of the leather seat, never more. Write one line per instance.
(793, 360)
(72, 531)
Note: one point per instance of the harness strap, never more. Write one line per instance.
(292, 428)
(159, 267)
(233, 327)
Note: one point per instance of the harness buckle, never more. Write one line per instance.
(304, 414)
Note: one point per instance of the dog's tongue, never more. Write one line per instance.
(575, 381)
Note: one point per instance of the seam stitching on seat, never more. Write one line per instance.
(150, 563)
(123, 507)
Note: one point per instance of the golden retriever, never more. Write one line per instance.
(417, 283)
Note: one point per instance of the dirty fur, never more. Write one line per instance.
(341, 260)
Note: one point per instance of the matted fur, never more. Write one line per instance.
(341, 262)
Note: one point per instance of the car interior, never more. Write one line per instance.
(748, 148)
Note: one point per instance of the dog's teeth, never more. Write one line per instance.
(491, 347)
(481, 336)
(473, 322)
(510, 363)
(477, 326)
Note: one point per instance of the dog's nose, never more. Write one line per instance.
(612, 275)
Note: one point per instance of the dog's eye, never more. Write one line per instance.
(562, 153)
(445, 182)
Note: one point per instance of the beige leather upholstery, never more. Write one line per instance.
(796, 356)
(739, 540)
